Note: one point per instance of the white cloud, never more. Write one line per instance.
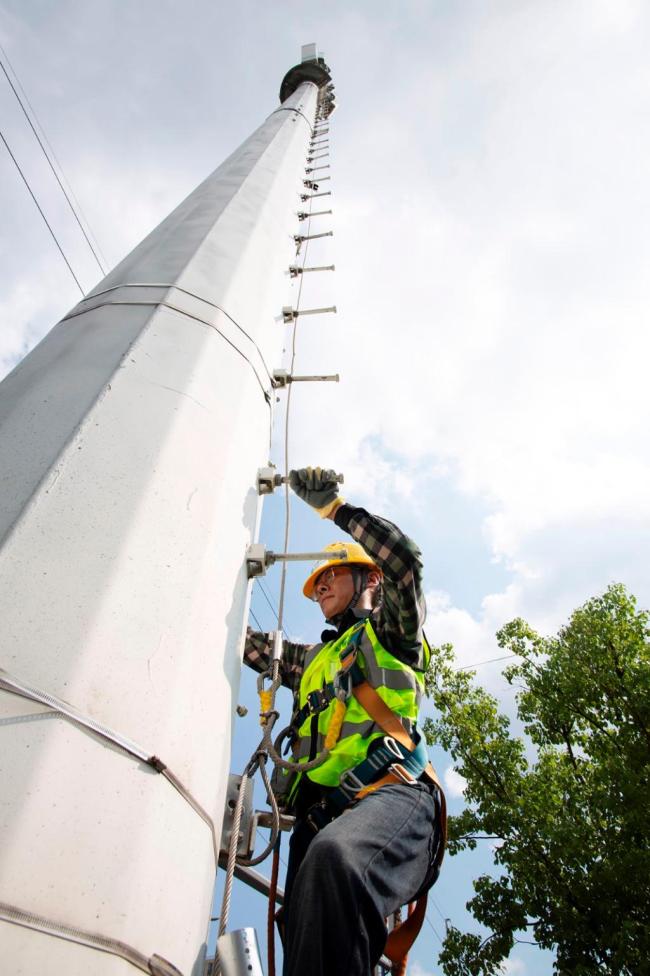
(416, 969)
(455, 784)
(513, 967)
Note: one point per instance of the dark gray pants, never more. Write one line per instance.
(344, 881)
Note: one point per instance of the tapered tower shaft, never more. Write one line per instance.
(129, 442)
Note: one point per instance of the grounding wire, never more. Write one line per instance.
(181, 311)
(51, 165)
(184, 291)
(40, 210)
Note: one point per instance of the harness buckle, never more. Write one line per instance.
(316, 701)
(393, 746)
(350, 784)
(342, 685)
(403, 774)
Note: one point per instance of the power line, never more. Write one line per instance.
(268, 599)
(31, 193)
(45, 153)
(433, 928)
(492, 660)
(259, 626)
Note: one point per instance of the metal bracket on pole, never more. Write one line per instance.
(290, 314)
(312, 159)
(246, 839)
(317, 213)
(312, 196)
(258, 558)
(312, 169)
(294, 270)
(316, 145)
(299, 238)
(268, 480)
(320, 132)
(311, 185)
(282, 378)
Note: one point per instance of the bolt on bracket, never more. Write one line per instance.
(282, 378)
(290, 314)
(295, 270)
(259, 558)
(299, 238)
(316, 213)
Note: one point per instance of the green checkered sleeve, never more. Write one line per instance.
(403, 608)
(257, 655)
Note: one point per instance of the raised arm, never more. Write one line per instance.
(403, 610)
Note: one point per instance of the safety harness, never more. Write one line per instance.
(397, 759)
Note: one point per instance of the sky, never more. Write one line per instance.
(491, 204)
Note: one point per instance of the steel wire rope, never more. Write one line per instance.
(273, 748)
(40, 210)
(51, 165)
(266, 746)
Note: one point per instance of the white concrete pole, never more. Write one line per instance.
(129, 443)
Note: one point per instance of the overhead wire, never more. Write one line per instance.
(267, 597)
(492, 660)
(40, 210)
(47, 157)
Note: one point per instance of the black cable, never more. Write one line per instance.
(268, 599)
(31, 192)
(51, 165)
(259, 626)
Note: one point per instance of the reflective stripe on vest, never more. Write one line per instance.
(399, 685)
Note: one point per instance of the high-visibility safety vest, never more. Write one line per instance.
(398, 684)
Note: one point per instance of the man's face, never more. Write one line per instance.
(334, 590)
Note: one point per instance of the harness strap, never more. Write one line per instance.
(388, 722)
(404, 935)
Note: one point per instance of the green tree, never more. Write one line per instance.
(568, 805)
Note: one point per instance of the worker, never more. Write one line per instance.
(354, 861)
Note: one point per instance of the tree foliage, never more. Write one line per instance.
(567, 806)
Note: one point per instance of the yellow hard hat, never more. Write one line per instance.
(356, 555)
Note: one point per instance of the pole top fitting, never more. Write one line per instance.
(312, 68)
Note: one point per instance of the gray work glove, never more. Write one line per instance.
(318, 487)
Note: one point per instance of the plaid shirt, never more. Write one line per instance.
(397, 622)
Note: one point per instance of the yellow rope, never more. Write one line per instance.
(336, 723)
(266, 704)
